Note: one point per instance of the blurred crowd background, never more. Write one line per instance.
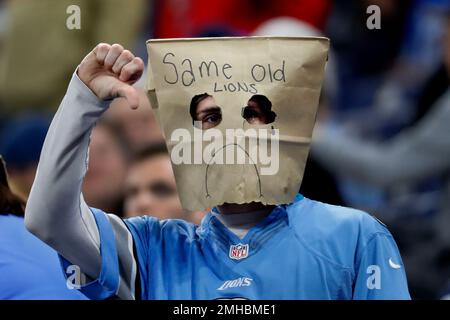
(381, 143)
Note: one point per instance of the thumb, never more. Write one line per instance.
(131, 94)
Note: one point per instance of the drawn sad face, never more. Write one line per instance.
(206, 114)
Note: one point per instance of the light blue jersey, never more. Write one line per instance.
(28, 267)
(303, 250)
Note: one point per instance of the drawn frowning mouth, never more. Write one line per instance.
(208, 195)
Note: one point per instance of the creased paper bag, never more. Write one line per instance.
(237, 114)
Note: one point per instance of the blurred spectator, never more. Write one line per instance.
(364, 56)
(102, 187)
(150, 187)
(41, 52)
(21, 141)
(198, 17)
(419, 57)
(387, 96)
(418, 153)
(29, 269)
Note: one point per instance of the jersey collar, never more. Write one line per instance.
(221, 238)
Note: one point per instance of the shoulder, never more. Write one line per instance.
(327, 219)
(150, 227)
(334, 232)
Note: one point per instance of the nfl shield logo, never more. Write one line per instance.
(239, 251)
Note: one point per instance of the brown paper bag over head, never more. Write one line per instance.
(237, 114)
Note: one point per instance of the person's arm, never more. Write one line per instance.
(412, 155)
(56, 212)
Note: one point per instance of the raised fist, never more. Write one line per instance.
(110, 70)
